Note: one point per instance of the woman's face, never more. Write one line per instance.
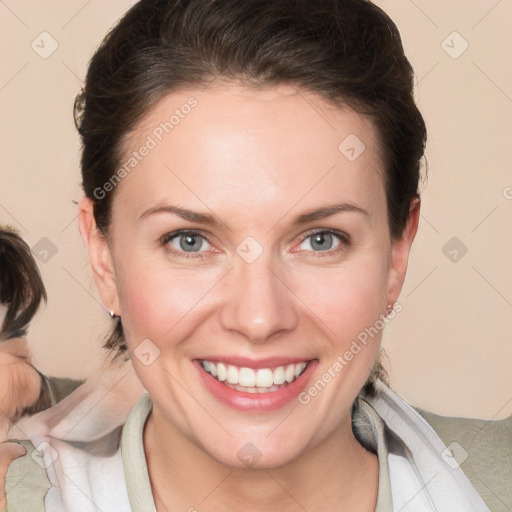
(252, 234)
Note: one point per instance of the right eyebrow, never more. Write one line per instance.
(184, 213)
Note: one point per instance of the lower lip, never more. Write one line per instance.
(256, 402)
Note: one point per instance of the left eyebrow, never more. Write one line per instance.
(327, 211)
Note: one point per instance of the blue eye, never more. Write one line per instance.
(186, 242)
(323, 241)
(192, 244)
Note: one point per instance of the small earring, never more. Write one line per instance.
(390, 309)
(112, 314)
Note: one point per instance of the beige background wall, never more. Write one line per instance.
(450, 349)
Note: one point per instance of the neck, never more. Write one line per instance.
(183, 477)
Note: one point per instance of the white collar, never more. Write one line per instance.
(110, 472)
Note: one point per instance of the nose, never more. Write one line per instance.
(258, 303)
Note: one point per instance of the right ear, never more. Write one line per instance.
(100, 256)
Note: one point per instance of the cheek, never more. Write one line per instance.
(350, 302)
(165, 304)
(346, 299)
(156, 301)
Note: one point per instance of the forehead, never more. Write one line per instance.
(274, 146)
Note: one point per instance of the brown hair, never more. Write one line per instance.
(349, 52)
(21, 286)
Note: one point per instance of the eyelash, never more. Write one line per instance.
(342, 237)
(182, 254)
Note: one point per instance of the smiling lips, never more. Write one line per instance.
(262, 380)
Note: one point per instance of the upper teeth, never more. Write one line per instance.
(261, 378)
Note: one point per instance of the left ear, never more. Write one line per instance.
(400, 253)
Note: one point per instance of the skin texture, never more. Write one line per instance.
(254, 159)
(20, 384)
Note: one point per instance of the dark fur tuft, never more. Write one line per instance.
(21, 285)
